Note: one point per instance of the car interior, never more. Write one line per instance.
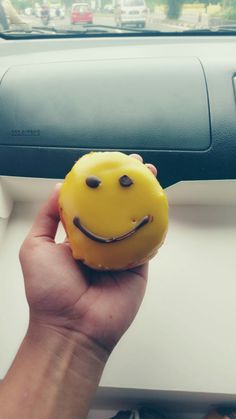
(169, 97)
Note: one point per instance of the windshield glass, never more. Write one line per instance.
(159, 15)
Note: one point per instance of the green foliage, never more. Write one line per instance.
(229, 13)
(68, 3)
(22, 4)
(174, 7)
(229, 3)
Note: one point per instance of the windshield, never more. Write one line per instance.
(158, 15)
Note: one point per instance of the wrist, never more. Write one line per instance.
(55, 374)
(60, 342)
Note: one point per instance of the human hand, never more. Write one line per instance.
(68, 297)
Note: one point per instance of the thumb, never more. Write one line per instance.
(47, 219)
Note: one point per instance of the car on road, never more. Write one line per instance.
(81, 13)
(131, 12)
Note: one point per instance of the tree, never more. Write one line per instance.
(174, 8)
(22, 4)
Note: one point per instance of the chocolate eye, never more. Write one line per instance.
(93, 181)
(125, 181)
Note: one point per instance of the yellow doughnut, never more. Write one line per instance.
(114, 211)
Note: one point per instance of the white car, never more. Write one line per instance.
(131, 12)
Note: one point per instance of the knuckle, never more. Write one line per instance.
(24, 250)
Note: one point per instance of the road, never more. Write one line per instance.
(153, 22)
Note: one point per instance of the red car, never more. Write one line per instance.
(81, 13)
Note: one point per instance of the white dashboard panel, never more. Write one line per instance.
(182, 339)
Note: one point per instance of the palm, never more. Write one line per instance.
(99, 304)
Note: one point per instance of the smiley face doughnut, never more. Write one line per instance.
(114, 211)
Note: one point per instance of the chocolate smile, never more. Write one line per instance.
(100, 239)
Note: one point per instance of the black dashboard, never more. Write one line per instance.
(171, 99)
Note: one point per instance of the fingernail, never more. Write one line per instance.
(152, 168)
(58, 186)
(136, 156)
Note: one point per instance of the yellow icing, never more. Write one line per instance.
(111, 210)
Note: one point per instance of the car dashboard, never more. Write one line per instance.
(172, 100)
